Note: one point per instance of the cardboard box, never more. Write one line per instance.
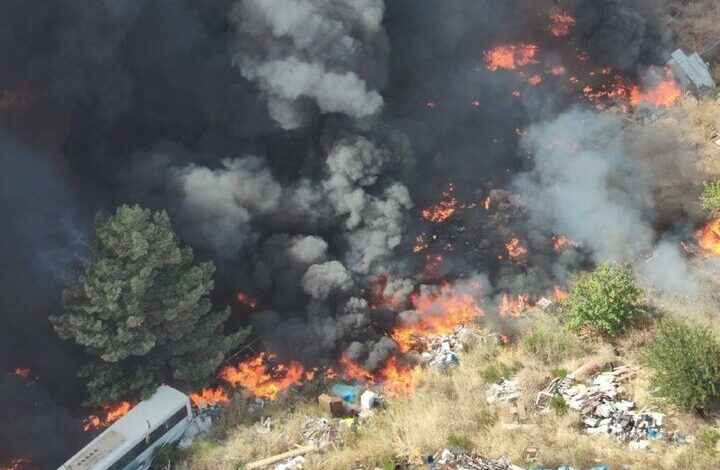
(331, 405)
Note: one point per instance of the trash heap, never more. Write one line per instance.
(450, 460)
(601, 408)
(441, 351)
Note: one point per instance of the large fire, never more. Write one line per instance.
(399, 378)
(209, 396)
(510, 56)
(437, 313)
(708, 237)
(262, 376)
(664, 91)
(515, 249)
(112, 414)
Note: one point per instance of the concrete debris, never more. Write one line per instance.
(441, 351)
(601, 408)
(450, 460)
(507, 390)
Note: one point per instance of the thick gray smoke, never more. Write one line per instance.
(292, 143)
(312, 55)
(594, 182)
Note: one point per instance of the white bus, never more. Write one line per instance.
(129, 443)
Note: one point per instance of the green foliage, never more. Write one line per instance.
(140, 309)
(606, 300)
(459, 442)
(497, 371)
(389, 464)
(559, 373)
(558, 404)
(710, 197)
(685, 363)
(708, 437)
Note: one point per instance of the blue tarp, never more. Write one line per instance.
(345, 392)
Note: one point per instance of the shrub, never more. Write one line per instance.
(495, 373)
(708, 437)
(605, 300)
(685, 364)
(710, 197)
(559, 405)
(559, 373)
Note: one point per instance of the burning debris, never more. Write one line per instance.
(111, 414)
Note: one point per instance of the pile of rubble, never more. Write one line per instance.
(601, 408)
(441, 351)
(463, 461)
(507, 390)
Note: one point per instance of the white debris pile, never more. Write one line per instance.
(441, 351)
(463, 461)
(507, 390)
(296, 463)
(601, 407)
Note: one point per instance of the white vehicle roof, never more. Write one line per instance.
(122, 435)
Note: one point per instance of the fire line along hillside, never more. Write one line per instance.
(311, 234)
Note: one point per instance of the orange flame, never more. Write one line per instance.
(486, 203)
(23, 372)
(246, 300)
(514, 305)
(112, 414)
(437, 314)
(708, 237)
(558, 70)
(354, 370)
(262, 379)
(510, 56)
(535, 79)
(561, 23)
(209, 396)
(665, 92)
(398, 378)
(515, 249)
(560, 295)
(16, 464)
(443, 209)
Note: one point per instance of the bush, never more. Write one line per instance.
(559, 373)
(606, 300)
(559, 405)
(495, 373)
(460, 442)
(710, 197)
(685, 364)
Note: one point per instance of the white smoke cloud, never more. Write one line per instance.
(586, 186)
(220, 203)
(309, 50)
(308, 250)
(322, 280)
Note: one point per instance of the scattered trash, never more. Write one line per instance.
(441, 351)
(449, 460)
(295, 463)
(602, 410)
(331, 405)
(368, 399)
(507, 390)
(347, 392)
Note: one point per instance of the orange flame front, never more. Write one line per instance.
(112, 414)
(665, 91)
(398, 378)
(437, 314)
(510, 56)
(261, 378)
(443, 209)
(22, 372)
(209, 396)
(514, 305)
(708, 238)
(515, 249)
(560, 295)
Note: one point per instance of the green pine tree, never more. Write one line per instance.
(140, 308)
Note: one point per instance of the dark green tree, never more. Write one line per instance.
(140, 308)
(605, 300)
